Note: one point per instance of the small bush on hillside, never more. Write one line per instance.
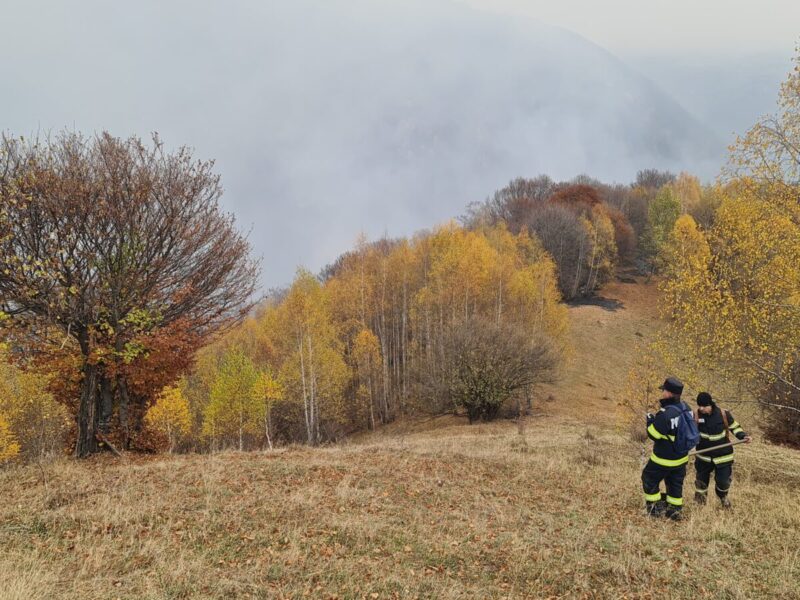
(640, 392)
(169, 418)
(485, 363)
(9, 448)
(37, 423)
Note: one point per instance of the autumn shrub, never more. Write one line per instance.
(38, 424)
(9, 447)
(169, 418)
(485, 363)
(640, 392)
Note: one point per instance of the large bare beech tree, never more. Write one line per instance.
(107, 239)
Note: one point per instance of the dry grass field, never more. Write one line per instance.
(456, 512)
(438, 509)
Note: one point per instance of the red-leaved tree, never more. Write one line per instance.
(118, 245)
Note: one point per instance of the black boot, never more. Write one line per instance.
(674, 513)
(700, 497)
(726, 504)
(656, 509)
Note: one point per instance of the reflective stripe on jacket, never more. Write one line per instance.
(713, 433)
(661, 428)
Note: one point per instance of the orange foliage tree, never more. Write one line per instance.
(108, 241)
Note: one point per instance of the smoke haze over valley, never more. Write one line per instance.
(332, 118)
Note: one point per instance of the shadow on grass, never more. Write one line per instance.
(609, 304)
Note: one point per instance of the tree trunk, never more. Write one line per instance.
(86, 443)
(268, 426)
(371, 401)
(403, 353)
(577, 281)
(385, 374)
(313, 395)
(124, 402)
(241, 423)
(306, 411)
(593, 268)
(500, 301)
(106, 405)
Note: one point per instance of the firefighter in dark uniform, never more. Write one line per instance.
(665, 463)
(714, 424)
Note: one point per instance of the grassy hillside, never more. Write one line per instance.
(460, 512)
(604, 335)
(434, 510)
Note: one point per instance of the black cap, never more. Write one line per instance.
(704, 399)
(672, 384)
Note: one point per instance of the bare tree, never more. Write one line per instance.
(564, 237)
(653, 178)
(106, 239)
(512, 204)
(484, 363)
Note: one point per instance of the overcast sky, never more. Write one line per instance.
(329, 118)
(672, 27)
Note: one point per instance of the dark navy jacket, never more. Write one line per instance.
(661, 428)
(712, 433)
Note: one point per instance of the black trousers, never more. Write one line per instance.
(723, 474)
(652, 476)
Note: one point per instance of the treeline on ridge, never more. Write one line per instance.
(392, 327)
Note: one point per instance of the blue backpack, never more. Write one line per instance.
(687, 436)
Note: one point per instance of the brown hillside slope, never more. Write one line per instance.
(604, 334)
